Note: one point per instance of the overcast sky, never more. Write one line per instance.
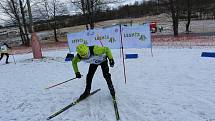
(2, 16)
(132, 1)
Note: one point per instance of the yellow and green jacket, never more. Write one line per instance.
(96, 55)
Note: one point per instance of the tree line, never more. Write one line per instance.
(54, 14)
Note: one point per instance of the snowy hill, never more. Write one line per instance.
(174, 85)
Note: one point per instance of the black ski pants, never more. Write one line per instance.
(2, 54)
(106, 75)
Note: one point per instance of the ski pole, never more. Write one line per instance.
(61, 83)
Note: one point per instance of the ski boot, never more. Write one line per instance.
(84, 95)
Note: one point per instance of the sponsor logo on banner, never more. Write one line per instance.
(105, 37)
(142, 38)
(79, 41)
(135, 35)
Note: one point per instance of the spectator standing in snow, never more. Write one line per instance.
(96, 56)
(4, 51)
(160, 28)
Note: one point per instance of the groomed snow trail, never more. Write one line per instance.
(174, 85)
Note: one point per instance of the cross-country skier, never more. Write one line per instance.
(96, 56)
(4, 51)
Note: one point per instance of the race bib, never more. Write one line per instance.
(95, 59)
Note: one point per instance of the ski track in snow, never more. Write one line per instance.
(174, 85)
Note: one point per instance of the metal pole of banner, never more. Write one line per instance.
(151, 52)
(123, 57)
(14, 59)
(151, 42)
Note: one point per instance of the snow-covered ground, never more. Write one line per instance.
(173, 85)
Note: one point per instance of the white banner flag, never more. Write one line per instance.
(75, 39)
(136, 36)
(107, 37)
(104, 37)
(132, 37)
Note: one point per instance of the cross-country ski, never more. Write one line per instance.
(70, 105)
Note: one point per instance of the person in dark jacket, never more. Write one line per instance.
(4, 49)
(96, 56)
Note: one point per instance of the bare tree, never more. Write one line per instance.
(22, 9)
(189, 10)
(16, 11)
(174, 8)
(89, 8)
(13, 9)
(49, 10)
(197, 6)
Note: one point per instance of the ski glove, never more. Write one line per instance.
(78, 75)
(111, 62)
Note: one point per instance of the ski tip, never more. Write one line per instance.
(96, 90)
(50, 117)
(46, 89)
(118, 118)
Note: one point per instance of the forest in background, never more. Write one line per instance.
(54, 14)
